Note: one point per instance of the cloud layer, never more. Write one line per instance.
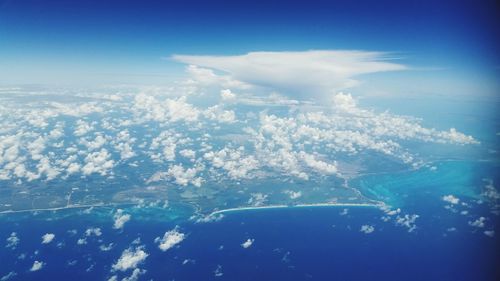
(306, 75)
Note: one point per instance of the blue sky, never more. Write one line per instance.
(92, 42)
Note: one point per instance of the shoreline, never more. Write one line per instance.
(55, 208)
(229, 210)
(312, 205)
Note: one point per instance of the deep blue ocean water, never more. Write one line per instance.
(317, 243)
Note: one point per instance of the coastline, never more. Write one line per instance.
(312, 205)
(217, 212)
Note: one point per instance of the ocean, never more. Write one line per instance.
(310, 243)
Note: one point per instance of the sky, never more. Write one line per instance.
(449, 46)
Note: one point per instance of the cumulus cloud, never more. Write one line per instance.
(451, 199)
(183, 176)
(367, 229)
(136, 273)
(130, 259)
(247, 243)
(120, 219)
(93, 231)
(47, 238)
(480, 222)
(307, 74)
(490, 233)
(170, 239)
(407, 221)
(12, 241)
(98, 162)
(37, 265)
(293, 194)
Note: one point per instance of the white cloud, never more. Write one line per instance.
(81, 241)
(490, 233)
(82, 128)
(235, 162)
(98, 162)
(120, 219)
(188, 153)
(93, 231)
(170, 239)
(257, 199)
(318, 165)
(218, 271)
(37, 265)
(167, 110)
(200, 76)
(97, 143)
(478, 222)
(106, 248)
(135, 275)
(451, 199)
(8, 276)
(293, 194)
(12, 241)
(47, 238)
(130, 259)
(367, 229)
(308, 74)
(216, 113)
(208, 218)
(247, 243)
(407, 221)
(227, 94)
(183, 176)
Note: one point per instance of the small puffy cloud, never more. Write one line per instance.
(367, 229)
(318, 165)
(167, 110)
(106, 248)
(257, 199)
(82, 128)
(183, 176)
(188, 153)
(8, 276)
(344, 102)
(208, 218)
(135, 275)
(98, 162)
(247, 243)
(407, 221)
(235, 162)
(170, 239)
(120, 219)
(12, 241)
(451, 199)
(130, 259)
(47, 238)
(93, 231)
(227, 95)
(37, 265)
(81, 241)
(293, 194)
(218, 271)
(490, 233)
(478, 223)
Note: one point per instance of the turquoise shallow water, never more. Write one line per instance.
(460, 178)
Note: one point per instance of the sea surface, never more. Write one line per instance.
(306, 243)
